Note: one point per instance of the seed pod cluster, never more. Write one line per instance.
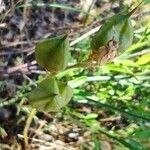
(115, 36)
(50, 95)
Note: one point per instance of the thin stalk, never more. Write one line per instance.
(25, 132)
(132, 11)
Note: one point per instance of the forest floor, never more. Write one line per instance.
(22, 25)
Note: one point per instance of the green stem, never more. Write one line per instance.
(78, 65)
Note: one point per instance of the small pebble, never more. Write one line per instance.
(73, 135)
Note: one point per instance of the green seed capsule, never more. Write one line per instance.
(50, 95)
(53, 53)
(113, 38)
(117, 28)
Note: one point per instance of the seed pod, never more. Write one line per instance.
(50, 95)
(118, 28)
(66, 93)
(44, 93)
(52, 54)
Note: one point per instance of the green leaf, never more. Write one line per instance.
(78, 81)
(144, 134)
(134, 114)
(147, 1)
(97, 143)
(50, 95)
(132, 144)
(129, 143)
(52, 54)
(91, 116)
(144, 59)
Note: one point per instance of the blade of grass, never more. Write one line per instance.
(55, 5)
(138, 47)
(131, 144)
(89, 9)
(128, 113)
(25, 132)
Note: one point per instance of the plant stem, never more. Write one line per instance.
(78, 65)
(25, 132)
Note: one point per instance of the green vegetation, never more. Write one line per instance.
(102, 97)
